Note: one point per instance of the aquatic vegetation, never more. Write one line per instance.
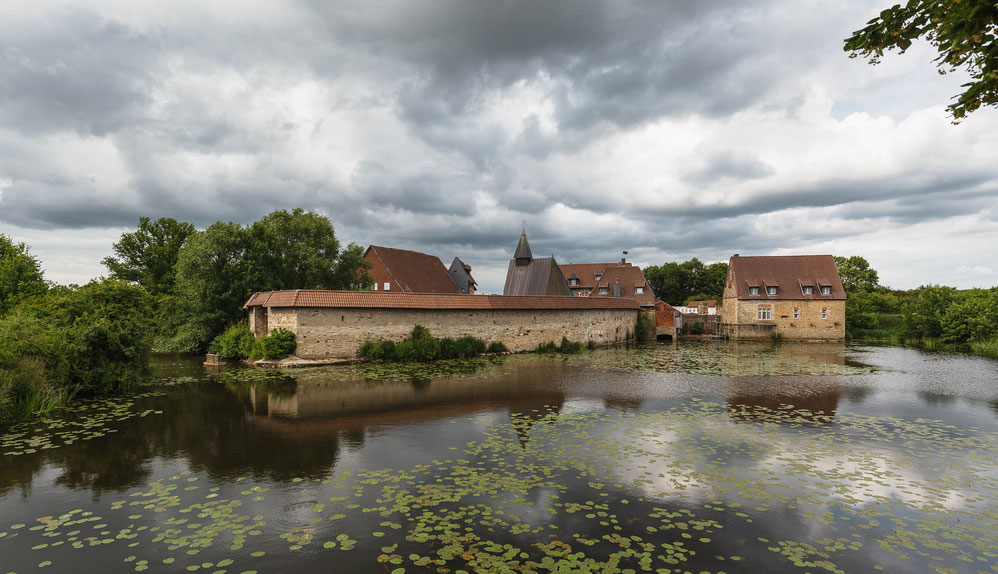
(564, 490)
(420, 345)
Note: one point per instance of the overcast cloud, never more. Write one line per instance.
(670, 129)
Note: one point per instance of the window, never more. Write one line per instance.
(753, 290)
(598, 276)
(603, 290)
(826, 290)
(796, 313)
(808, 290)
(375, 285)
(388, 286)
(639, 290)
(824, 312)
(771, 291)
(765, 313)
(573, 282)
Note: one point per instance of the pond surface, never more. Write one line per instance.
(723, 457)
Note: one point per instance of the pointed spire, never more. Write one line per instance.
(523, 248)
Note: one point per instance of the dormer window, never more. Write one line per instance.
(753, 290)
(604, 290)
(639, 290)
(826, 290)
(598, 276)
(808, 290)
(573, 282)
(771, 291)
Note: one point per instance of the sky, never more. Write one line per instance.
(670, 129)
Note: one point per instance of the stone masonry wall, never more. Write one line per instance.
(283, 318)
(810, 325)
(339, 333)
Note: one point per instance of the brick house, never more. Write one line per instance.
(795, 296)
(407, 271)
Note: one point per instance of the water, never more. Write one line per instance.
(727, 457)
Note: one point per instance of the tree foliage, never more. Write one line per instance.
(219, 268)
(20, 274)
(675, 283)
(856, 274)
(962, 31)
(148, 255)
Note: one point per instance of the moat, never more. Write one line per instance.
(717, 457)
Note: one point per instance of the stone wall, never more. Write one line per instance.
(808, 325)
(339, 333)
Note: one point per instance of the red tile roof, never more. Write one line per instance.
(415, 272)
(709, 302)
(585, 272)
(787, 273)
(630, 278)
(396, 300)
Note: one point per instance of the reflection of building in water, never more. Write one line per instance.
(756, 358)
(813, 398)
(622, 402)
(525, 412)
(324, 406)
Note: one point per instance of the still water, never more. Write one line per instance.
(722, 457)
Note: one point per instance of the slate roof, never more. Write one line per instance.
(397, 300)
(460, 273)
(788, 273)
(536, 277)
(415, 272)
(523, 248)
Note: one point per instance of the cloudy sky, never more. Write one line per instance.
(670, 129)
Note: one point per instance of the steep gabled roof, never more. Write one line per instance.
(414, 272)
(523, 248)
(395, 300)
(788, 273)
(538, 277)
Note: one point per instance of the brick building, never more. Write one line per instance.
(795, 296)
(407, 271)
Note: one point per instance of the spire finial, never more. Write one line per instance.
(524, 225)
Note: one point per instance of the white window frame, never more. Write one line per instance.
(771, 291)
(824, 313)
(796, 313)
(826, 290)
(753, 290)
(375, 285)
(765, 313)
(639, 290)
(807, 290)
(573, 282)
(388, 286)
(604, 290)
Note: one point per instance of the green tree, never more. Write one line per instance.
(923, 316)
(20, 274)
(974, 317)
(962, 31)
(214, 278)
(299, 250)
(148, 255)
(676, 283)
(856, 274)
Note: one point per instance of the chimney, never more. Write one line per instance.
(735, 255)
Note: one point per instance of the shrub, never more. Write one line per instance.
(497, 347)
(278, 344)
(569, 347)
(471, 346)
(236, 342)
(425, 348)
(546, 348)
(448, 347)
(405, 351)
(696, 328)
(420, 332)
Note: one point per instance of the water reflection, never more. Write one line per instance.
(814, 399)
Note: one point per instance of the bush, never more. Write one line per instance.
(422, 346)
(546, 348)
(405, 351)
(236, 342)
(497, 347)
(569, 347)
(696, 328)
(278, 344)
